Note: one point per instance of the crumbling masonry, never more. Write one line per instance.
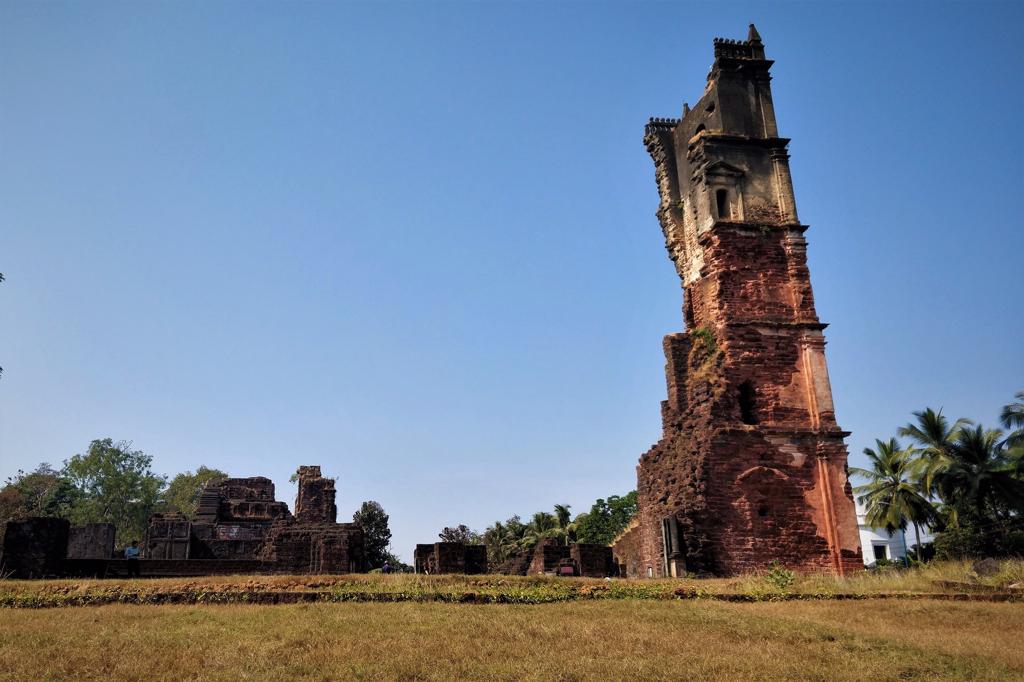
(751, 466)
(239, 519)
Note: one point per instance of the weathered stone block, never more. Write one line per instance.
(91, 541)
(450, 557)
(314, 502)
(33, 547)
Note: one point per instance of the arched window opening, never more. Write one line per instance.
(701, 128)
(722, 201)
(748, 403)
(762, 511)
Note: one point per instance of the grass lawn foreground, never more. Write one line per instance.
(621, 639)
(555, 629)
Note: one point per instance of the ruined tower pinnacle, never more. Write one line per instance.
(751, 467)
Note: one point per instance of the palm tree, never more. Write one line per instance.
(542, 525)
(1012, 418)
(892, 494)
(934, 436)
(562, 514)
(516, 535)
(979, 473)
(494, 538)
(564, 520)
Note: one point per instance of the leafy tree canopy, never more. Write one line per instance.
(114, 484)
(377, 536)
(460, 533)
(964, 480)
(43, 492)
(606, 519)
(182, 495)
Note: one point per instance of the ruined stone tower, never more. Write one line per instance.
(751, 467)
(314, 502)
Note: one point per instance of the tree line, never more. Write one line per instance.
(114, 483)
(505, 539)
(962, 480)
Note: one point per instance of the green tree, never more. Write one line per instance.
(893, 495)
(376, 534)
(397, 564)
(42, 492)
(978, 475)
(1012, 417)
(182, 495)
(542, 525)
(115, 485)
(507, 539)
(460, 533)
(606, 519)
(934, 436)
(566, 530)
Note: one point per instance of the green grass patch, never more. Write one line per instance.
(774, 584)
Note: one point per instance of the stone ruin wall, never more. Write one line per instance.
(592, 561)
(314, 502)
(91, 541)
(240, 519)
(450, 557)
(33, 547)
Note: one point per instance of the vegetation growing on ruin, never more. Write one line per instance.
(704, 345)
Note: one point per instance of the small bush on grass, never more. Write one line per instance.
(779, 577)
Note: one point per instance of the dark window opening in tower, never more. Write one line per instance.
(748, 403)
(762, 511)
(700, 129)
(722, 199)
(710, 108)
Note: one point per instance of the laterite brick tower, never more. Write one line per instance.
(751, 467)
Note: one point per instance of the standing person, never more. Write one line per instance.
(386, 568)
(131, 553)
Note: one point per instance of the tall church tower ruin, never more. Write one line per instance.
(751, 467)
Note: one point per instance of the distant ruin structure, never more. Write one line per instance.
(751, 466)
(238, 527)
(240, 519)
(314, 502)
(450, 557)
(33, 547)
(551, 557)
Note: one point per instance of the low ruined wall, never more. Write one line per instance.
(314, 548)
(546, 557)
(626, 552)
(34, 547)
(593, 561)
(91, 541)
(450, 557)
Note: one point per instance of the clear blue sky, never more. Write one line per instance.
(416, 243)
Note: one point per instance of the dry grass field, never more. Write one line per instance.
(607, 640)
(894, 625)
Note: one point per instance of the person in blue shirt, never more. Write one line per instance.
(131, 553)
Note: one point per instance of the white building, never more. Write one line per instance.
(877, 543)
